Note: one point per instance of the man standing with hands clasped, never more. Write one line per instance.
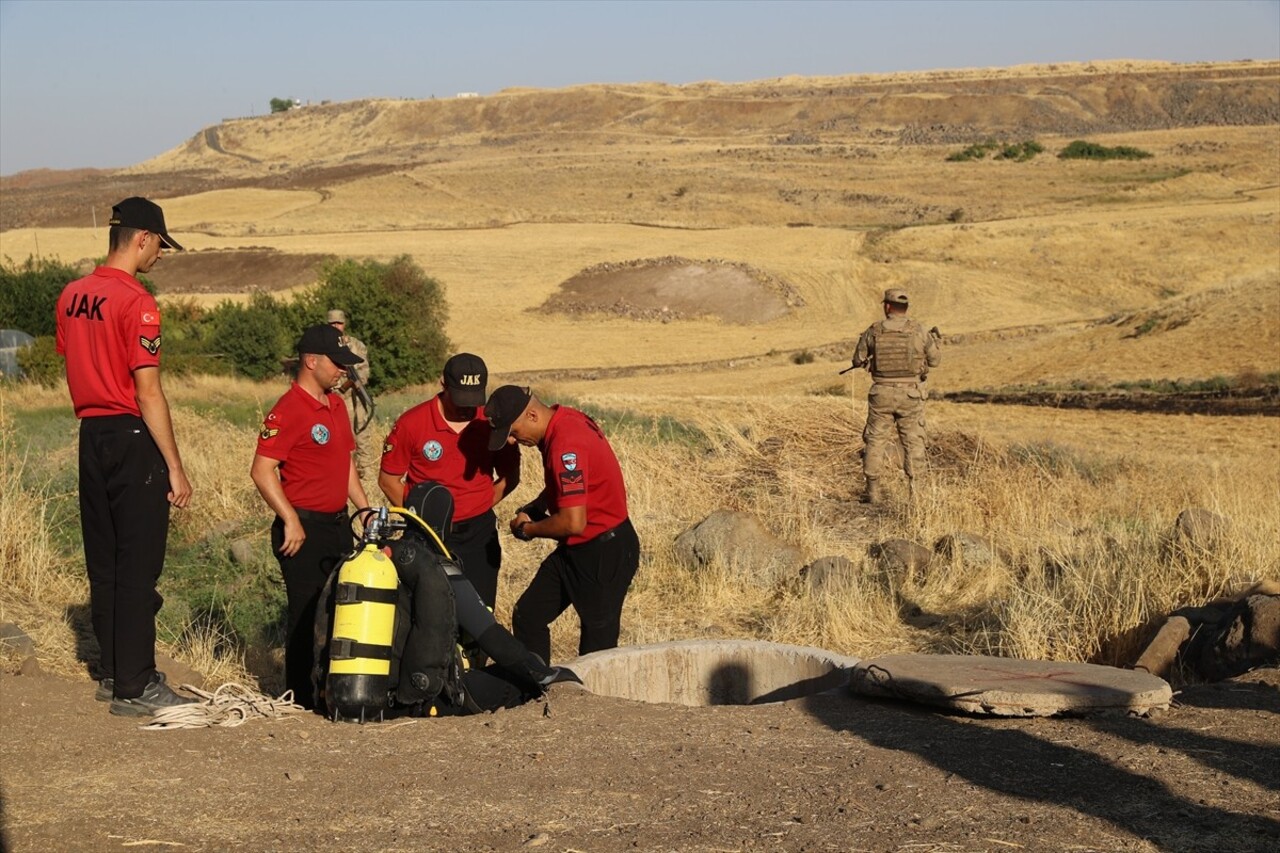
(130, 470)
(583, 507)
(305, 471)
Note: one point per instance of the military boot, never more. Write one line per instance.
(873, 494)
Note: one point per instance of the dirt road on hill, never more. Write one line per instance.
(588, 773)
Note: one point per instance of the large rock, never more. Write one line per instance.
(15, 640)
(901, 559)
(178, 673)
(1199, 531)
(737, 539)
(1247, 636)
(241, 551)
(970, 549)
(1220, 639)
(826, 572)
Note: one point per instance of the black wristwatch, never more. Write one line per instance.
(519, 532)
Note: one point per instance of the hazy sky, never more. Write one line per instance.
(110, 83)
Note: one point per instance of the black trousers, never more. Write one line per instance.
(328, 541)
(474, 543)
(124, 519)
(592, 577)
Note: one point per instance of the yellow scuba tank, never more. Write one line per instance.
(364, 623)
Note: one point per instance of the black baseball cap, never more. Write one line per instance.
(326, 340)
(465, 377)
(505, 406)
(144, 215)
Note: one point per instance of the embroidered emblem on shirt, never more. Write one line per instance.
(387, 447)
(570, 461)
(151, 345)
(150, 318)
(572, 483)
(320, 434)
(432, 450)
(268, 433)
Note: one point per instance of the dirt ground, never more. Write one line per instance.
(818, 193)
(669, 289)
(580, 772)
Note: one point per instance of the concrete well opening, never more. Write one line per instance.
(713, 672)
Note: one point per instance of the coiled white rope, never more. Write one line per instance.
(230, 705)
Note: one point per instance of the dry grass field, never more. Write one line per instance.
(1041, 273)
(1047, 272)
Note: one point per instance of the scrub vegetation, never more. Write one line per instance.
(1084, 532)
(1140, 279)
(254, 338)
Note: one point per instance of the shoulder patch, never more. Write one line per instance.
(150, 317)
(151, 345)
(572, 483)
(268, 433)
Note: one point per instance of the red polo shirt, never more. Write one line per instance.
(580, 470)
(424, 446)
(108, 327)
(313, 442)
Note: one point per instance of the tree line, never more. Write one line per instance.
(394, 307)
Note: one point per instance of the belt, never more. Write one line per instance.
(473, 521)
(606, 536)
(312, 515)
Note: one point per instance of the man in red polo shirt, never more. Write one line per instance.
(583, 507)
(446, 440)
(305, 471)
(130, 470)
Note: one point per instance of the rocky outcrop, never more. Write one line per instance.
(737, 539)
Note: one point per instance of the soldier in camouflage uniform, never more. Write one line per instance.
(898, 352)
(338, 319)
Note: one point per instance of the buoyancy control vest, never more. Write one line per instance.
(403, 655)
(386, 629)
(898, 353)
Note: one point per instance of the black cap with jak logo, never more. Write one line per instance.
(465, 378)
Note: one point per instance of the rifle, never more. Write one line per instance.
(360, 398)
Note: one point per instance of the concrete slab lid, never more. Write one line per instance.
(1009, 688)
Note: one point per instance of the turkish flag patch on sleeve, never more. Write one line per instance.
(150, 317)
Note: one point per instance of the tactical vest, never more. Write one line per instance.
(898, 353)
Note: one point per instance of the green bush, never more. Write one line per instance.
(395, 308)
(1020, 152)
(29, 294)
(1082, 150)
(1016, 151)
(40, 362)
(978, 151)
(280, 105)
(190, 340)
(252, 337)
